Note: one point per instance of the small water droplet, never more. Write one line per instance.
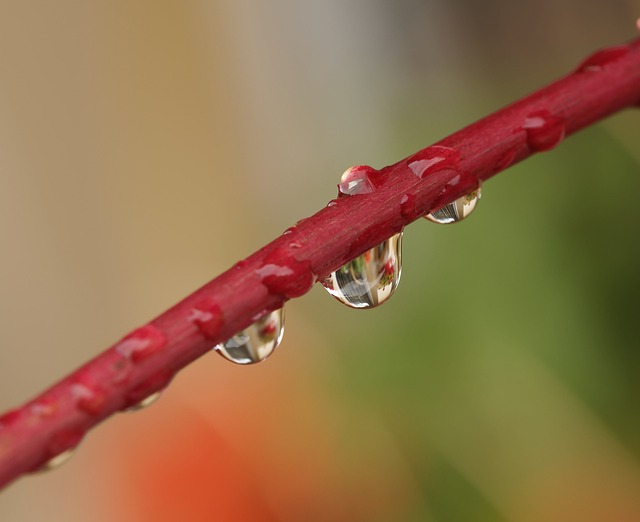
(43, 408)
(544, 130)
(144, 403)
(207, 317)
(357, 180)
(142, 343)
(603, 57)
(369, 279)
(332, 203)
(431, 159)
(147, 391)
(255, 343)
(57, 461)
(89, 398)
(59, 450)
(285, 275)
(456, 211)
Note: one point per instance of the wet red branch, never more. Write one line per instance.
(147, 359)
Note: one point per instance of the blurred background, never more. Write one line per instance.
(146, 146)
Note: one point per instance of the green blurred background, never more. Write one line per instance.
(146, 146)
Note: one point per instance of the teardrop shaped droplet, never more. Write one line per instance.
(369, 279)
(57, 461)
(146, 402)
(456, 211)
(255, 343)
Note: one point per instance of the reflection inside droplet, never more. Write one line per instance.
(369, 279)
(255, 343)
(456, 211)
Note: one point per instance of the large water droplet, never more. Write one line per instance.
(369, 279)
(456, 211)
(57, 461)
(255, 343)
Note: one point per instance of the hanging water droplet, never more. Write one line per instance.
(57, 461)
(456, 211)
(146, 402)
(369, 279)
(255, 343)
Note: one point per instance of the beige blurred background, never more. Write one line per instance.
(147, 146)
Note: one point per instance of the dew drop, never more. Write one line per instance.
(369, 279)
(285, 275)
(60, 449)
(601, 58)
(431, 159)
(456, 211)
(148, 391)
(57, 461)
(360, 179)
(144, 403)
(207, 316)
(544, 130)
(89, 398)
(255, 343)
(142, 343)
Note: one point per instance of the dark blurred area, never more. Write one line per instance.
(145, 147)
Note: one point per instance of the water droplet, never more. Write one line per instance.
(59, 450)
(142, 343)
(89, 398)
(332, 203)
(285, 275)
(57, 461)
(207, 316)
(601, 58)
(456, 211)
(147, 401)
(431, 159)
(369, 279)
(360, 179)
(255, 343)
(43, 408)
(148, 391)
(544, 130)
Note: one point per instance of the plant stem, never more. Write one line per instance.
(146, 360)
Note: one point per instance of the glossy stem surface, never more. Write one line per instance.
(146, 360)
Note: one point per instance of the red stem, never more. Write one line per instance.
(147, 359)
